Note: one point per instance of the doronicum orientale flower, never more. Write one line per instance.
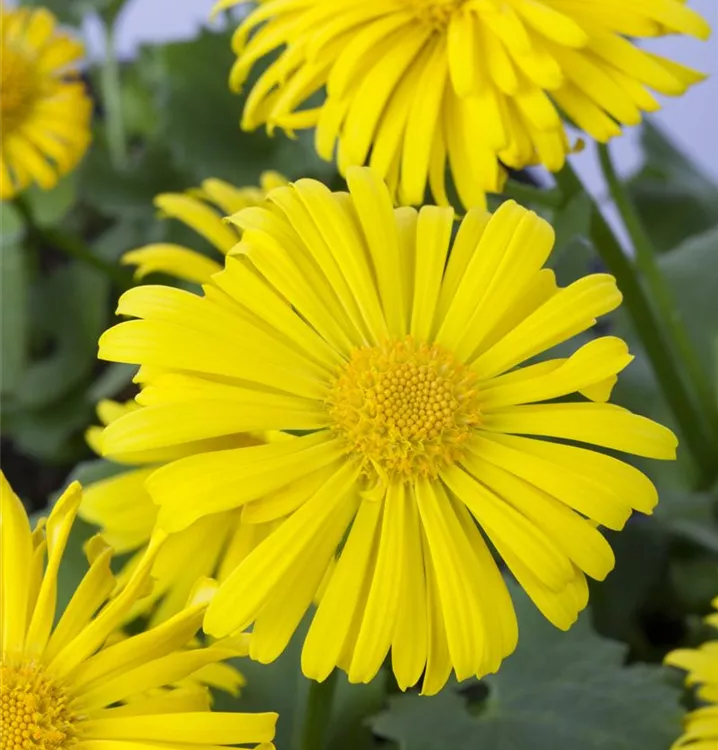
(201, 209)
(64, 685)
(212, 546)
(701, 730)
(411, 85)
(397, 356)
(44, 109)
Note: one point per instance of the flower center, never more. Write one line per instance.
(18, 89)
(35, 711)
(435, 13)
(405, 408)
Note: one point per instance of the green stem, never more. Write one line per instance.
(652, 334)
(112, 99)
(318, 713)
(71, 246)
(550, 198)
(660, 291)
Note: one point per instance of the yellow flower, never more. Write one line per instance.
(44, 110)
(701, 730)
(198, 210)
(65, 686)
(412, 85)
(421, 438)
(121, 506)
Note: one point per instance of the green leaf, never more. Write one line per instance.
(559, 691)
(129, 193)
(200, 118)
(642, 562)
(49, 207)
(692, 272)
(675, 199)
(691, 516)
(71, 308)
(114, 379)
(13, 300)
(280, 686)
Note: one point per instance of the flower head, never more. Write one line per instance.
(44, 109)
(701, 730)
(426, 429)
(202, 210)
(414, 85)
(122, 508)
(66, 684)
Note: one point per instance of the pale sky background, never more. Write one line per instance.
(692, 120)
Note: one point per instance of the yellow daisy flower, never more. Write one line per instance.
(201, 209)
(44, 110)
(412, 85)
(701, 729)
(122, 508)
(421, 437)
(65, 686)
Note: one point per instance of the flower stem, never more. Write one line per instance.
(112, 100)
(318, 713)
(71, 246)
(660, 291)
(649, 327)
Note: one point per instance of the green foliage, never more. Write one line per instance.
(559, 691)
(13, 302)
(673, 196)
(199, 117)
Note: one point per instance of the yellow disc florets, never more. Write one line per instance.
(436, 13)
(36, 714)
(18, 89)
(405, 408)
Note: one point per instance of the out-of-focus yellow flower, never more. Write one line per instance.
(404, 359)
(701, 729)
(203, 210)
(65, 685)
(44, 109)
(412, 85)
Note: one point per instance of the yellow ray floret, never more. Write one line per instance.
(44, 109)
(67, 684)
(412, 86)
(701, 664)
(429, 429)
(202, 210)
(122, 508)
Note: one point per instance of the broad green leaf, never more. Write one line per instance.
(71, 309)
(113, 380)
(49, 207)
(691, 516)
(54, 432)
(675, 199)
(130, 192)
(642, 561)
(13, 300)
(280, 686)
(559, 691)
(692, 272)
(200, 118)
